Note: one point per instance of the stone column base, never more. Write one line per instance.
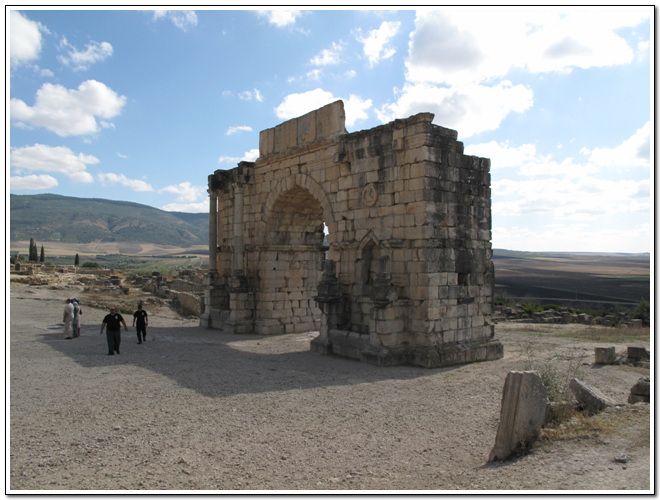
(457, 354)
(355, 346)
(214, 318)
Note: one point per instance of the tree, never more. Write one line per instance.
(32, 252)
(76, 262)
(42, 257)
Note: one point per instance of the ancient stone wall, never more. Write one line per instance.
(408, 220)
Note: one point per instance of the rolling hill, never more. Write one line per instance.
(49, 217)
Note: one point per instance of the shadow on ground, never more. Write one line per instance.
(216, 363)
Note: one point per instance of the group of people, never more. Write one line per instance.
(111, 324)
(71, 318)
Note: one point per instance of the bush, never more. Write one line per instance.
(93, 265)
(531, 308)
(643, 312)
(556, 377)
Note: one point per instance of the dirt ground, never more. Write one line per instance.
(194, 409)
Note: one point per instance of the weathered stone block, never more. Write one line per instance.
(641, 391)
(523, 413)
(605, 355)
(638, 353)
(590, 399)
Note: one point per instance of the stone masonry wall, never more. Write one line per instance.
(409, 235)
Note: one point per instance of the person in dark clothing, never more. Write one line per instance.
(112, 322)
(141, 318)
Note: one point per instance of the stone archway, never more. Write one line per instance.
(290, 263)
(408, 276)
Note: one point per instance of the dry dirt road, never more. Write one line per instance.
(193, 409)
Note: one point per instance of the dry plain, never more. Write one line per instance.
(195, 409)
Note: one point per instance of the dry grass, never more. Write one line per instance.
(579, 426)
(632, 421)
(606, 334)
(587, 333)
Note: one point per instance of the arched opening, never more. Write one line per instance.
(291, 264)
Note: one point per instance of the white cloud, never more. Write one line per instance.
(469, 109)
(122, 180)
(251, 95)
(32, 182)
(297, 104)
(67, 111)
(59, 159)
(45, 72)
(458, 46)
(250, 155)
(314, 74)
(82, 59)
(571, 237)
(356, 109)
(238, 128)
(122, 156)
(586, 204)
(184, 191)
(280, 18)
(24, 38)
(197, 207)
(182, 19)
(326, 57)
(375, 44)
(634, 152)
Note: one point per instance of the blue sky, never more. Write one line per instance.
(141, 105)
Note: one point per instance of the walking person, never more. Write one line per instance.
(112, 322)
(75, 323)
(141, 318)
(67, 319)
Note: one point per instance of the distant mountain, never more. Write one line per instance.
(50, 217)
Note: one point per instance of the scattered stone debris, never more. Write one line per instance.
(589, 399)
(638, 354)
(564, 315)
(622, 459)
(641, 391)
(605, 355)
(523, 413)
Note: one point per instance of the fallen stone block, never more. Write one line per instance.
(523, 413)
(605, 355)
(590, 399)
(641, 391)
(638, 354)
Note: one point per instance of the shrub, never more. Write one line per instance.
(531, 308)
(643, 312)
(93, 265)
(555, 376)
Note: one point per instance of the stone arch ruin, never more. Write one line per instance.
(404, 274)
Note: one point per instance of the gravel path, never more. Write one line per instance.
(194, 409)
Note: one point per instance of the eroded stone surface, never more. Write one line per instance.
(409, 220)
(523, 413)
(590, 399)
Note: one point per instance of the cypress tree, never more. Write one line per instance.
(42, 256)
(76, 261)
(32, 253)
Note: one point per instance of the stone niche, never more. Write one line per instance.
(380, 240)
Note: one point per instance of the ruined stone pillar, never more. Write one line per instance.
(210, 281)
(237, 228)
(213, 231)
(329, 301)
